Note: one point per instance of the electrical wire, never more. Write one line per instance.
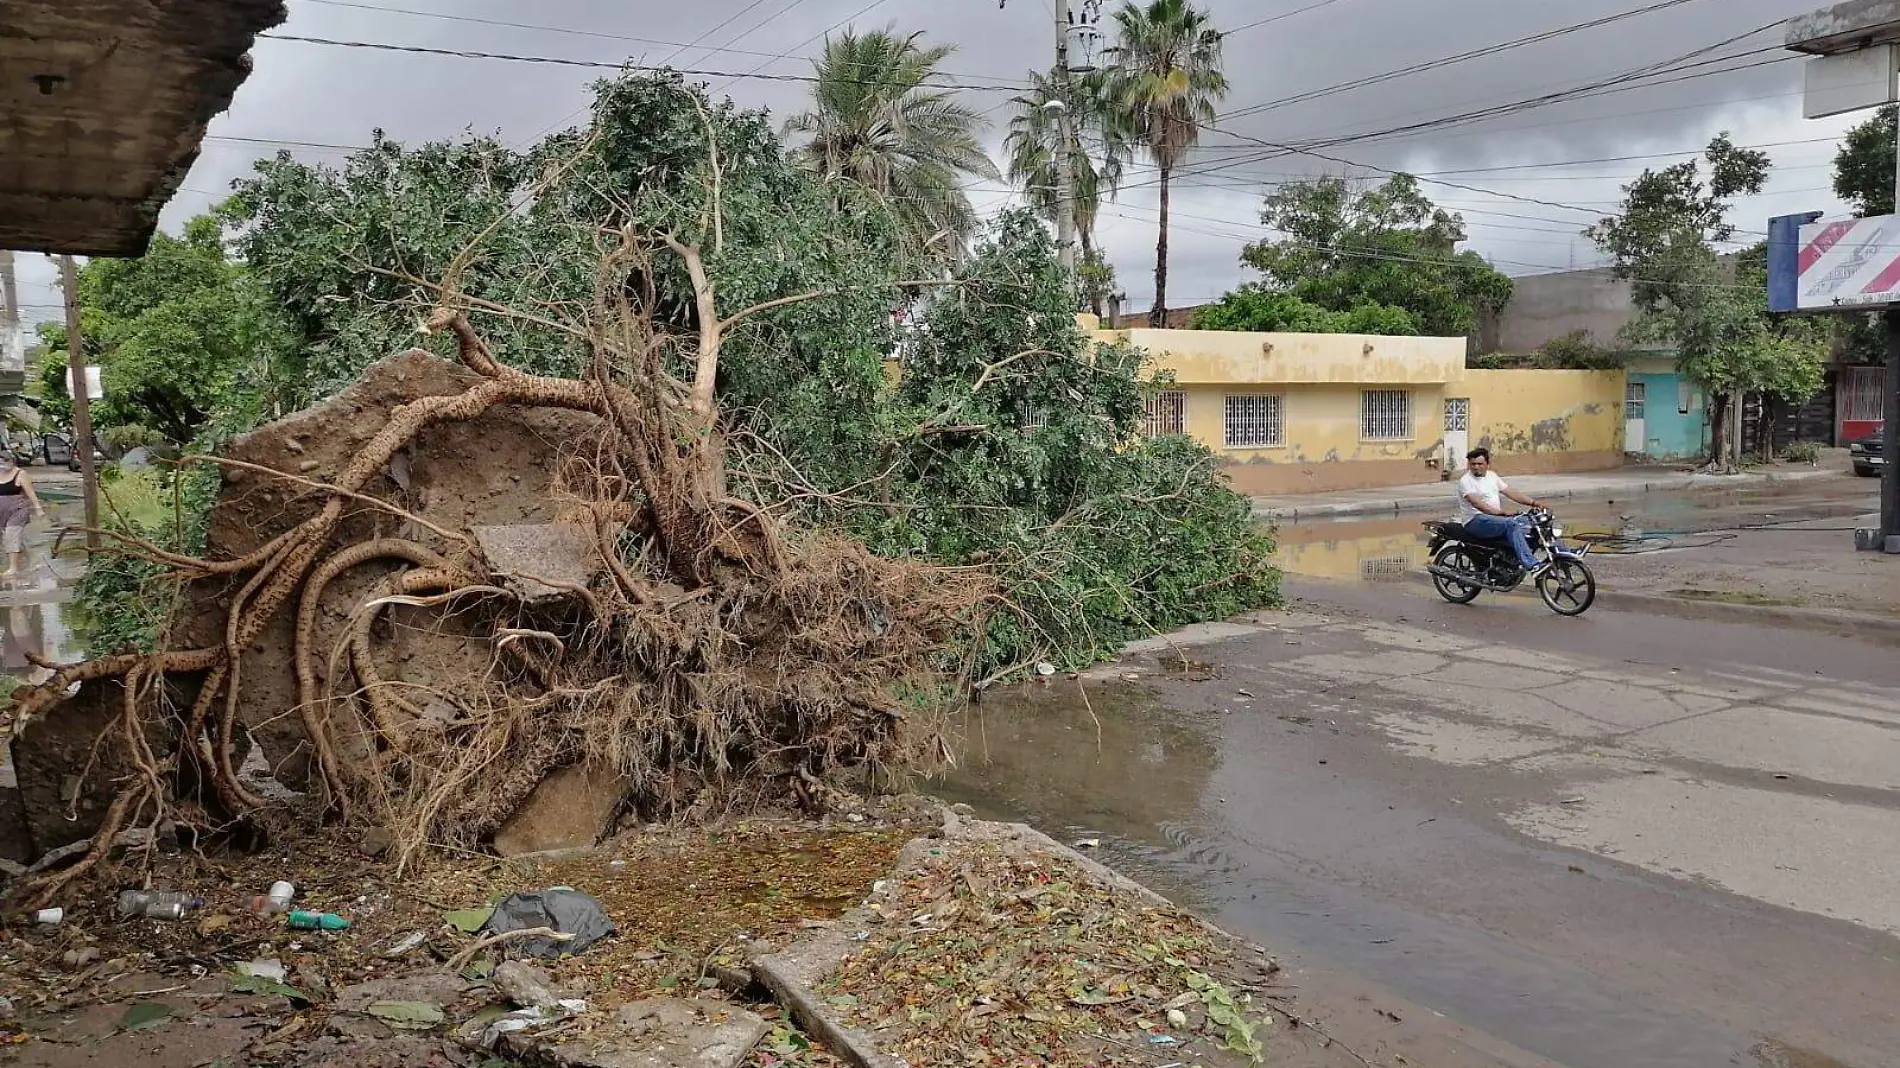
(1277, 18)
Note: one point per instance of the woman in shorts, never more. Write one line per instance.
(18, 503)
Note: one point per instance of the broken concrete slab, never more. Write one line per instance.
(432, 988)
(538, 559)
(571, 809)
(657, 1033)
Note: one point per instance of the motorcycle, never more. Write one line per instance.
(1464, 565)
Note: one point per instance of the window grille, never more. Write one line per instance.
(1385, 415)
(1165, 413)
(1253, 421)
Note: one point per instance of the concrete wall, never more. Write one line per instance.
(1675, 414)
(1537, 422)
(1216, 357)
(1545, 307)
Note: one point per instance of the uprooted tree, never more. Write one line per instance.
(793, 568)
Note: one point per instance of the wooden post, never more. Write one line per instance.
(82, 412)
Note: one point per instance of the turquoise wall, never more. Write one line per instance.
(1670, 433)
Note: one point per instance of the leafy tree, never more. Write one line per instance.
(875, 121)
(1256, 308)
(1717, 319)
(1161, 84)
(1343, 247)
(1031, 150)
(1863, 165)
(1101, 535)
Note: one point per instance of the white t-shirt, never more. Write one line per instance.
(1490, 489)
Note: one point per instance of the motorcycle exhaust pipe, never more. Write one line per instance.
(1464, 579)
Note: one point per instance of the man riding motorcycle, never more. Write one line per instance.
(1481, 496)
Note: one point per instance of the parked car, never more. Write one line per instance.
(1866, 454)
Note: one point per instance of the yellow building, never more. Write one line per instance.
(1299, 413)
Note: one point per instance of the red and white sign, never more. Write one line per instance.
(1849, 263)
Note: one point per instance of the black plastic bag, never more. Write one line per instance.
(562, 909)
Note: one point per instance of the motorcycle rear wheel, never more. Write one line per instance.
(1568, 586)
(1455, 558)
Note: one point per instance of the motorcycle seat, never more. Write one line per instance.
(1464, 534)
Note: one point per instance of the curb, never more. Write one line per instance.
(1862, 625)
(1405, 505)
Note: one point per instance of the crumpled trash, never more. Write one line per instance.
(522, 1019)
(562, 909)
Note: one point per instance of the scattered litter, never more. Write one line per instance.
(1045, 669)
(1245, 693)
(1163, 1040)
(880, 886)
(270, 968)
(407, 1015)
(276, 900)
(1782, 776)
(1088, 843)
(405, 944)
(508, 1023)
(1177, 1018)
(1573, 801)
(50, 917)
(854, 817)
(562, 909)
(317, 921)
(158, 904)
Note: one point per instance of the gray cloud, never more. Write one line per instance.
(315, 93)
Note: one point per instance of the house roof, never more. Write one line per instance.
(103, 104)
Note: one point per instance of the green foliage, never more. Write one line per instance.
(1575, 351)
(1100, 535)
(123, 602)
(876, 121)
(1802, 452)
(1716, 319)
(1863, 165)
(1256, 308)
(1035, 134)
(1344, 248)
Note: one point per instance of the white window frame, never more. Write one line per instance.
(1035, 417)
(1253, 420)
(1378, 421)
(1164, 414)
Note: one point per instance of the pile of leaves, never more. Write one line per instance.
(994, 954)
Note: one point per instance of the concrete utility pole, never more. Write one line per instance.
(82, 412)
(1065, 160)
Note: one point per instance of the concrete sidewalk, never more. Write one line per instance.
(1599, 485)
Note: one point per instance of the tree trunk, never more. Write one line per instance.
(1718, 429)
(1088, 258)
(1158, 318)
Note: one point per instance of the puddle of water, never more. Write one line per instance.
(1393, 548)
(1142, 778)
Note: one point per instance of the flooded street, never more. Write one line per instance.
(1625, 841)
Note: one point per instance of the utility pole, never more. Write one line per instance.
(1065, 160)
(1890, 430)
(82, 412)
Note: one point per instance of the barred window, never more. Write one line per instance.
(1164, 413)
(1385, 415)
(1035, 417)
(1253, 421)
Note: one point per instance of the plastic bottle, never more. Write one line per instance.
(301, 920)
(158, 904)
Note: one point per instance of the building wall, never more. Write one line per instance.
(1538, 422)
(1544, 307)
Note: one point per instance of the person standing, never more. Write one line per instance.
(18, 504)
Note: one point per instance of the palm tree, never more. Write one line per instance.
(1030, 147)
(1163, 77)
(875, 121)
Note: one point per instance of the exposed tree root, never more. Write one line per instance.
(714, 661)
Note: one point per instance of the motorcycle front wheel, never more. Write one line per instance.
(1568, 586)
(1455, 558)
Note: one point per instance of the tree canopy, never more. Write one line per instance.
(1343, 247)
(1257, 308)
(1863, 165)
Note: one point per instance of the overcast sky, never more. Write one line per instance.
(1528, 203)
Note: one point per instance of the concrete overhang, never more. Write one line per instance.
(103, 105)
(1846, 27)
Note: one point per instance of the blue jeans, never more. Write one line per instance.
(1514, 529)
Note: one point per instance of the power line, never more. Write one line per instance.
(1452, 60)
(596, 64)
(826, 32)
(1278, 18)
(729, 20)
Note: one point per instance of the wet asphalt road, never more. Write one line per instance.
(1615, 842)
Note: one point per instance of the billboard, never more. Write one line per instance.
(1818, 264)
